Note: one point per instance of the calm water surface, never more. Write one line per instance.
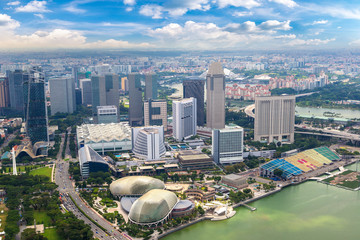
(309, 211)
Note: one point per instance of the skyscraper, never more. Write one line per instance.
(184, 118)
(155, 113)
(86, 94)
(215, 96)
(195, 89)
(112, 90)
(135, 100)
(148, 142)
(4, 93)
(105, 91)
(75, 71)
(35, 108)
(228, 144)
(150, 86)
(78, 96)
(124, 84)
(98, 90)
(62, 95)
(274, 118)
(16, 94)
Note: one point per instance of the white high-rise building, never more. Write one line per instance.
(274, 118)
(228, 144)
(184, 118)
(148, 142)
(62, 95)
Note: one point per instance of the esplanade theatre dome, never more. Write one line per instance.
(154, 207)
(135, 185)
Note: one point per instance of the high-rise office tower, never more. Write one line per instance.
(215, 96)
(155, 113)
(112, 89)
(135, 100)
(274, 118)
(195, 89)
(124, 84)
(151, 87)
(16, 94)
(148, 142)
(98, 90)
(35, 108)
(75, 71)
(78, 96)
(62, 95)
(184, 118)
(86, 94)
(228, 144)
(4, 93)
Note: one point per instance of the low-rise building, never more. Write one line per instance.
(234, 180)
(194, 160)
(90, 161)
(105, 137)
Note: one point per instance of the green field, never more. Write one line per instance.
(2, 217)
(42, 218)
(45, 171)
(51, 234)
(22, 168)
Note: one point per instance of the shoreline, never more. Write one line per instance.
(164, 234)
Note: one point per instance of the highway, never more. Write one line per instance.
(66, 188)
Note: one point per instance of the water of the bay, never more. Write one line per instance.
(309, 211)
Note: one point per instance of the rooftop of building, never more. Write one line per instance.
(135, 185)
(215, 68)
(104, 132)
(233, 177)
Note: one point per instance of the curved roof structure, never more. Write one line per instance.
(153, 207)
(135, 185)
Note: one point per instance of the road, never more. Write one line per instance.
(330, 132)
(67, 189)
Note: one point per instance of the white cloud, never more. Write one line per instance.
(7, 23)
(196, 36)
(57, 38)
(309, 42)
(39, 15)
(74, 9)
(238, 3)
(270, 26)
(355, 43)
(288, 3)
(174, 8)
(15, 3)
(153, 11)
(335, 11)
(130, 2)
(275, 25)
(286, 36)
(320, 22)
(242, 14)
(128, 9)
(34, 6)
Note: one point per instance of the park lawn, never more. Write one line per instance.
(3, 216)
(22, 168)
(45, 171)
(42, 218)
(51, 234)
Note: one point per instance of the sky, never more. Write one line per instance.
(180, 24)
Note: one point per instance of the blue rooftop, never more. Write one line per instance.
(288, 168)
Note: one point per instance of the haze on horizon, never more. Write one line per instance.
(179, 25)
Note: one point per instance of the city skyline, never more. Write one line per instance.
(179, 25)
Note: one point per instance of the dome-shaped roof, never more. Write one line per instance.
(135, 185)
(153, 206)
